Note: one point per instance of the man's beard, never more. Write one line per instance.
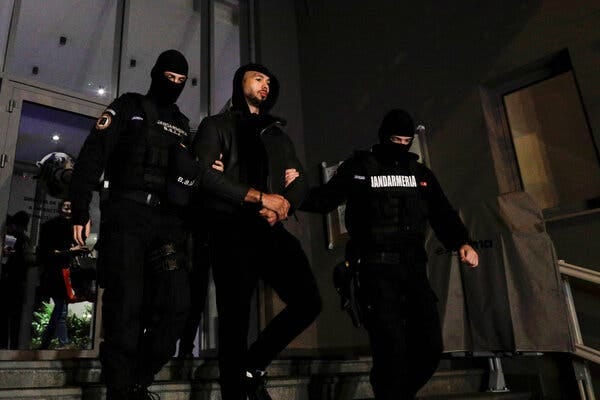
(255, 101)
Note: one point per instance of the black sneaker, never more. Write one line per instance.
(255, 382)
(142, 393)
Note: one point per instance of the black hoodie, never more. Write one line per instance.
(238, 101)
(254, 149)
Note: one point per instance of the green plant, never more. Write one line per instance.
(41, 317)
(78, 327)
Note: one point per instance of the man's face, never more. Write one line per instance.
(397, 139)
(175, 77)
(65, 209)
(256, 87)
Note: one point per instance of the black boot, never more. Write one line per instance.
(142, 393)
(255, 382)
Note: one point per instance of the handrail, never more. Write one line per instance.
(578, 272)
(584, 380)
(589, 353)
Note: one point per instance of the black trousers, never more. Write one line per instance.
(198, 283)
(144, 305)
(242, 251)
(402, 320)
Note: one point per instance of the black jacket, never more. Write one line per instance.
(110, 145)
(220, 135)
(225, 192)
(55, 234)
(352, 183)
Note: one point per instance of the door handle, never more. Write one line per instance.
(3, 159)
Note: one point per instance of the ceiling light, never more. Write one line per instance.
(55, 138)
(101, 91)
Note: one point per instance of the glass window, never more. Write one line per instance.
(40, 310)
(556, 155)
(6, 8)
(65, 43)
(226, 51)
(175, 25)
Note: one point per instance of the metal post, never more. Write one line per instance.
(496, 382)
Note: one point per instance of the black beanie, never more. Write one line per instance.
(170, 60)
(396, 122)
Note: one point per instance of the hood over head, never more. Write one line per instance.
(238, 101)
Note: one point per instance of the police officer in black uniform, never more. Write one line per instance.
(138, 143)
(390, 198)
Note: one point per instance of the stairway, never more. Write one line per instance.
(197, 380)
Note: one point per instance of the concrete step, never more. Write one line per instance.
(42, 394)
(475, 396)
(191, 379)
(357, 386)
(480, 396)
(48, 374)
(279, 389)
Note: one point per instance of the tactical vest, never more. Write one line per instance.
(141, 158)
(389, 212)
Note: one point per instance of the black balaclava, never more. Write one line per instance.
(163, 90)
(396, 122)
(238, 101)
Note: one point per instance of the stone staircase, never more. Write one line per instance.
(197, 380)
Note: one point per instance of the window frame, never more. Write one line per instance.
(499, 134)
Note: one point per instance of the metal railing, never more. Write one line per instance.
(585, 353)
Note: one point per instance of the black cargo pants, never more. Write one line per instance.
(401, 317)
(144, 305)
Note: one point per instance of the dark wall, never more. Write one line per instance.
(356, 59)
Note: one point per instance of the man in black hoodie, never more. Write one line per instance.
(137, 143)
(245, 205)
(390, 198)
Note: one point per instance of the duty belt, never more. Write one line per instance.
(139, 196)
(382, 258)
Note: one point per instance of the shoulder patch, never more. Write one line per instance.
(104, 121)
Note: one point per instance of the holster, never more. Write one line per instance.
(345, 280)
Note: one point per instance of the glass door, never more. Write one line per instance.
(39, 312)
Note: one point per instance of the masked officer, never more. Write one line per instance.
(390, 198)
(138, 143)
